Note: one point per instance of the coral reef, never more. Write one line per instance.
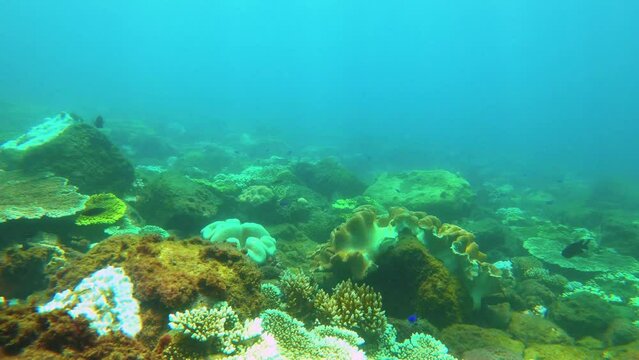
(170, 275)
(546, 240)
(410, 279)
(105, 298)
(285, 337)
(461, 338)
(252, 238)
(67, 147)
(219, 327)
(355, 246)
(299, 293)
(417, 347)
(328, 178)
(256, 195)
(434, 191)
(25, 196)
(101, 209)
(354, 307)
(175, 202)
(23, 270)
(55, 335)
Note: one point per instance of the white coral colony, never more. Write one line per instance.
(105, 299)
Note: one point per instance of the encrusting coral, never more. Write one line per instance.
(102, 209)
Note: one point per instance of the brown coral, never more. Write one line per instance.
(353, 306)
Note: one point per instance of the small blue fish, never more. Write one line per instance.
(412, 319)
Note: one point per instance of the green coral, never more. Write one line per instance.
(102, 209)
(344, 204)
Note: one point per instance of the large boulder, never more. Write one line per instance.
(438, 192)
(66, 146)
(174, 201)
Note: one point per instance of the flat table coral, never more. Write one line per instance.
(36, 196)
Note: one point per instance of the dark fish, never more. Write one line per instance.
(576, 248)
(93, 211)
(397, 190)
(412, 318)
(285, 203)
(550, 202)
(99, 122)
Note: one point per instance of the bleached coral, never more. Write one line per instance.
(42, 133)
(418, 347)
(219, 324)
(105, 299)
(286, 338)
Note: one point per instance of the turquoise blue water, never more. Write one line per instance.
(554, 83)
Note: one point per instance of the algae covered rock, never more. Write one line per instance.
(583, 314)
(461, 338)
(68, 147)
(557, 351)
(329, 178)
(435, 191)
(174, 201)
(412, 280)
(535, 329)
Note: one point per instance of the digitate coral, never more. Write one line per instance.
(102, 209)
(219, 325)
(298, 292)
(354, 307)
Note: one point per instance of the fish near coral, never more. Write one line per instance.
(576, 248)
